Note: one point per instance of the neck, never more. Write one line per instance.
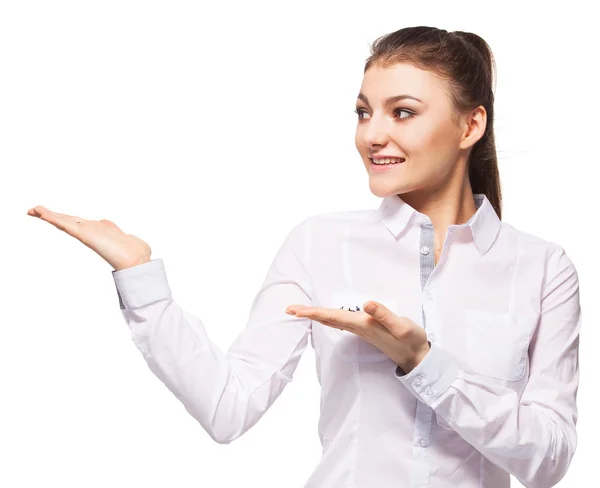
(451, 204)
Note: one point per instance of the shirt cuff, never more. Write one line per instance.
(141, 285)
(432, 376)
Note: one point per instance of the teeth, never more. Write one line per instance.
(387, 160)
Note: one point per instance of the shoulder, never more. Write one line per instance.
(340, 219)
(526, 239)
(333, 226)
(535, 247)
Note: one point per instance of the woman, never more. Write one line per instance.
(466, 371)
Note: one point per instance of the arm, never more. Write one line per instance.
(532, 437)
(226, 393)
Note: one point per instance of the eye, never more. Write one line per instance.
(360, 112)
(399, 110)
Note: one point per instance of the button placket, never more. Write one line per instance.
(423, 414)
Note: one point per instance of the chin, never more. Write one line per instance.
(384, 189)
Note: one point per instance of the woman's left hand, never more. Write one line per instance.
(400, 338)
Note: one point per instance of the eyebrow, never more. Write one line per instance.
(389, 101)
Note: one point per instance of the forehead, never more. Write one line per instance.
(402, 78)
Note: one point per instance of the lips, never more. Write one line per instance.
(385, 156)
(400, 160)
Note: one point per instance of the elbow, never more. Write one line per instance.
(555, 464)
(224, 433)
(229, 422)
(221, 434)
(546, 477)
(221, 439)
(220, 429)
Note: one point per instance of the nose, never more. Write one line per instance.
(375, 132)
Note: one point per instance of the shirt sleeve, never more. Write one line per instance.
(227, 393)
(531, 436)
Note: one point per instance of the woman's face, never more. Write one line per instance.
(421, 132)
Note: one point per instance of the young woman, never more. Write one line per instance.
(466, 372)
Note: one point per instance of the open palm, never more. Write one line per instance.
(104, 237)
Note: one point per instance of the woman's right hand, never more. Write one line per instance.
(118, 249)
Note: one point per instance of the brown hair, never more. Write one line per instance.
(465, 61)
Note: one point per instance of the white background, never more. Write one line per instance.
(210, 130)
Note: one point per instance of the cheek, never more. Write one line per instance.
(430, 152)
(446, 136)
(436, 146)
(424, 136)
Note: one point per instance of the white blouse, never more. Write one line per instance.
(495, 395)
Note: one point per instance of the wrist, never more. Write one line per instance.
(416, 359)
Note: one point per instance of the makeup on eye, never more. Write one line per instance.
(361, 111)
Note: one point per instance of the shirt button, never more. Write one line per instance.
(432, 337)
(424, 250)
(418, 381)
(428, 390)
(423, 442)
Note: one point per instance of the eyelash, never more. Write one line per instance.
(359, 111)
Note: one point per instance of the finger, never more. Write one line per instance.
(386, 318)
(111, 224)
(64, 222)
(334, 325)
(36, 211)
(352, 321)
(292, 309)
(48, 215)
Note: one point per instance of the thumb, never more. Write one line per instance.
(385, 317)
(377, 310)
(110, 224)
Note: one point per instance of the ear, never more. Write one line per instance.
(474, 124)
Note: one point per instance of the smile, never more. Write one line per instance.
(385, 164)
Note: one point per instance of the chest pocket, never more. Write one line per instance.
(496, 345)
(348, 346)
